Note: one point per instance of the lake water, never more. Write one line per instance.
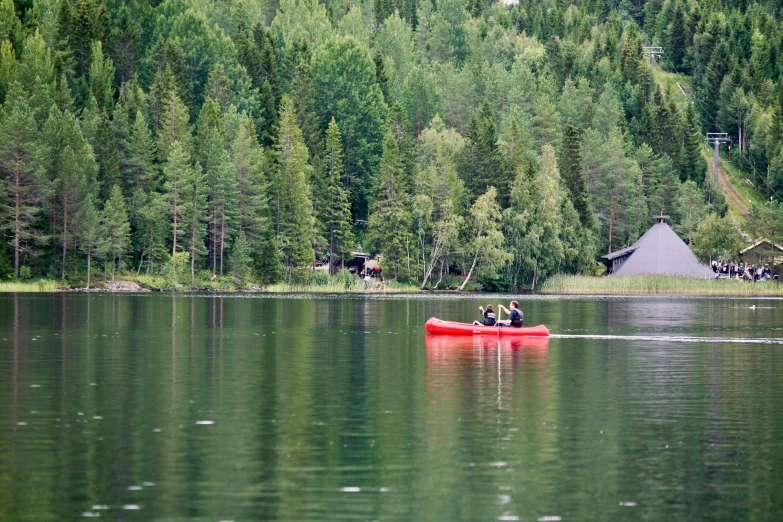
(244, 408)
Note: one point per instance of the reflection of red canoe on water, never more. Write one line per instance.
(437, 326)
(442, 342)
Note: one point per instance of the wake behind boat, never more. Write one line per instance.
(438, 326)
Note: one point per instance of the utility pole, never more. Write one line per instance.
(716, 138)
(652, 52)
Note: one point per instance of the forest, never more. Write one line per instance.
(203, 139)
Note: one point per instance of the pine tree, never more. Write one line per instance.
(573, 174)
(23, 183)
(151, 225)
(108, 157)
(254, 218)
(240, 258)
(173, 128)
(194, 215)
(343, 75)
(115, 229)
(693, 165)
(294, 222)
(380, 75)
(88, 234)
(87, 21)
(125, 44)
(400, 127)
(176, 172)
(141, 169)
(304, 98)
(335, 209)
(71, 191)
(257, 54)
(101, 77)
(390, 220)
(482, 165)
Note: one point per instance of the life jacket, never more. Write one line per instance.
(489, 318)
(516, 320)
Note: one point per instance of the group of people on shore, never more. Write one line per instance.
(749, 272)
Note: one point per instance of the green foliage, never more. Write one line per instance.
(293, 208)
(344, 79)
(334, 209)
(241, 259)
(717, 238)
(390, 219)
(291, 124)
(114, 239)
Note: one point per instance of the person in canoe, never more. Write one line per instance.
(489, 316)
(515, 316)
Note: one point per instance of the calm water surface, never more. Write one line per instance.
(209, 408)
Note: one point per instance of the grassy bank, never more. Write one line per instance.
(43, 285)
(658, 284)
(341, 288)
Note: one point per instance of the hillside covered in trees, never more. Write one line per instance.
(196, 138)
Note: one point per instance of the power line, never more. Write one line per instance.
(750, 164)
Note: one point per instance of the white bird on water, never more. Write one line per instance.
(753, 307)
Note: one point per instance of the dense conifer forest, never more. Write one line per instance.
(193, 139)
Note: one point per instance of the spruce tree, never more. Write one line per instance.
(241, 259)
(173, 127)
(254, 218)
(115, 229)
(573, 175)
(101, 77)
(293, 209)
(482, 166)
(125, 44)
(141, 169)
(343, 75)
(304, 98)
(390, 220)
(335, 209)
(693, 165)
(108, 157)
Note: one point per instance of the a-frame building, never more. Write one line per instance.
(659, 251)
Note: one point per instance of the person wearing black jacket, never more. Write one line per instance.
(489, 316)
(515, 315)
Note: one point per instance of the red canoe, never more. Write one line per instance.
(436, 326)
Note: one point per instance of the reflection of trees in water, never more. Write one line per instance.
(412, 418)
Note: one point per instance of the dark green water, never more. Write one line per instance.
(254, 408)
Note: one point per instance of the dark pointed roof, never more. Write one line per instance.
(661, 251)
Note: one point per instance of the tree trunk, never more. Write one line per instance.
(17, 232)
(470, 272)
(113, 265)
(65, 236)
(611, 218)
(213, 246)
(331, 251)
(89, 267)
(222, 240)
(174, 247)
(193, 259)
